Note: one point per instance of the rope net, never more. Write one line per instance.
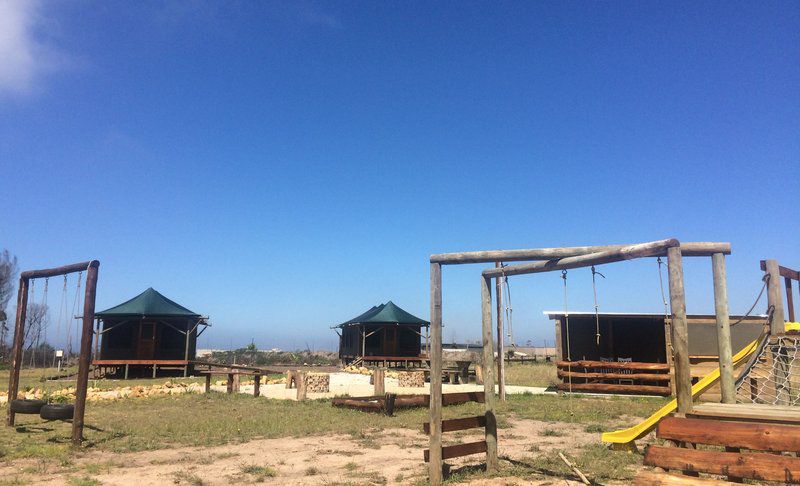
(774, 376)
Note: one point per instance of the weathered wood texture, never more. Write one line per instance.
(54, 272)
(379, 381)
(16, 352)
(492, 463)
(616, 365)
(756, 436)
(652, 478)
(774, 298)
(302, 386)
(783, 271)
(435, 456)
(459, 450)
(680, 331)
(452, 425)
(687, 249)
(614, 376)
(780, 414)
(723, 328)
(85, 357)
(611, 388)
(758, 466)
(630, 252)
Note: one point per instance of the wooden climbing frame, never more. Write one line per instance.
(551, 259)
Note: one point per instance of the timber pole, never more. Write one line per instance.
(775, 299)
(501, 366)
(186, 350)
(86, 353)
(16, 353)
(723, 328)
(435, 355)
(680, 333)
(488, 375)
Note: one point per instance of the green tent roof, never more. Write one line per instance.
(148, 303)
(385, 313)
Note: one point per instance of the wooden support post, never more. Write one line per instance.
(155, 369)
(230, 383)
(723, 329)
(378, 380)
(488, 378)
(775, 299)
(302, 385)
(237, 378)
(97, 339)
(257, 385)
(208, 383)
(501, 372)
(127, 368)
(558, 343)
(789, 298)
(389, 403)
(16, 353)
(86, 353)
(186, 350)
(680, 332)
(435, 464)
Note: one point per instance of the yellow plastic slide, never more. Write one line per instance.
(624, 439)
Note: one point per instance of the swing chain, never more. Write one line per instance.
(596, 307)
(569, 354)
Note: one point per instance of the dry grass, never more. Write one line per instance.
(531, 374)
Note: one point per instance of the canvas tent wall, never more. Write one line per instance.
(148, 330)
(384, 333)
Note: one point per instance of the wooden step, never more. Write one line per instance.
(764, 467)
(747, 435)
(748, 412)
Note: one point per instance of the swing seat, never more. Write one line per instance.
(57, 411)
(27, 406)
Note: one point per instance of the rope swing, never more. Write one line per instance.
(569, 354)
(596, 307)
(509, 310)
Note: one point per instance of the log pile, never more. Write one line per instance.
(318, 382)
(100, 394)
(411, 379)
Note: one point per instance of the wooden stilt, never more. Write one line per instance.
(680, 333)
(435, 459)
(378, 381)
(723, 329)
(488, 378)
(86, 353)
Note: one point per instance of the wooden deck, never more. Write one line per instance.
(749, 412)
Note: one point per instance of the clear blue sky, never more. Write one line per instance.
(282, 166)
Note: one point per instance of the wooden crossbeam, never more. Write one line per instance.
(614, 376)
(759, 466)
(451, 425)
(616, 365)
(611, 388)
(756, 436)
(458, 450)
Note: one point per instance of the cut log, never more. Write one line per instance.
(459, 450)
(748, 435)
(613, 376)
(609, 388)
(652, 478)
(764, 467)
(615, 365)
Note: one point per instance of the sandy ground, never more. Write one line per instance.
(356, 385)
(392, 456)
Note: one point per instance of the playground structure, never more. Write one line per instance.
(25, 280)
(554, 259)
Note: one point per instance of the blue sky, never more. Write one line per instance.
(282, 166)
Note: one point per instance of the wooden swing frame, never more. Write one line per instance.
(91, 269)
(552, 259)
